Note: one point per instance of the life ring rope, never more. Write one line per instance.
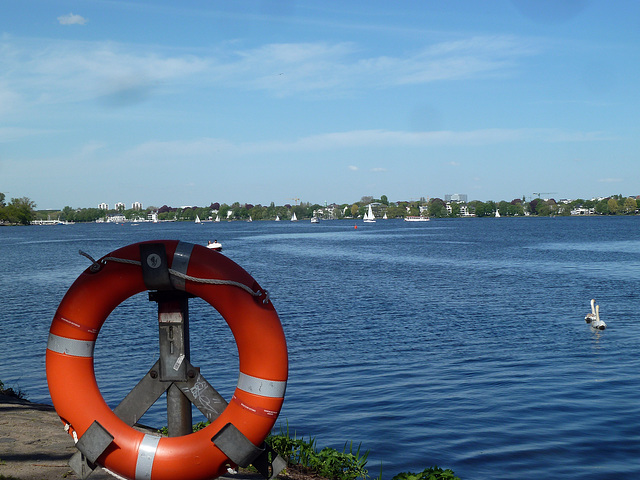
(210, 281)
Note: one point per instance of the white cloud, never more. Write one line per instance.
(70, 71)
(290, 68)
(353, 168)
(378, 169)
(71, 19)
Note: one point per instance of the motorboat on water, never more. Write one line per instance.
(315, 220)
(416, 218)
(215, 245)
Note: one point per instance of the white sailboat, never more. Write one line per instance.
(198, 219)
(384, 217)
(277, 218)
(294, 218)
(217, 218)
(368, 216)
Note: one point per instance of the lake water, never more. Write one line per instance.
(458, 343)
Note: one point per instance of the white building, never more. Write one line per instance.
(119, 206)
(136, 206)
(103, 206)
(456, 197)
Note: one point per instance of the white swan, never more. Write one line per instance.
(597, 323)
(590, 317)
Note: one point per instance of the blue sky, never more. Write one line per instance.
(193, 102)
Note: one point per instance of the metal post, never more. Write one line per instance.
(173, 324)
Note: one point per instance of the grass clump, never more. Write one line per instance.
(12, 392)
(433, 473)
(328, 462)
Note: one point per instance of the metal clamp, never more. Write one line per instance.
(91, 445)
(243, 453)
(155, 266)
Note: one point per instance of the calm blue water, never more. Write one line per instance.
(460, 343)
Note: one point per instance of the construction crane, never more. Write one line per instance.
(537, 194)
(295, 200)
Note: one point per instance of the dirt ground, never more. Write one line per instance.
(34, 446)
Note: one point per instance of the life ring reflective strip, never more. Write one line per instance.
(262, 355)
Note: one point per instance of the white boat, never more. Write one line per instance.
(315, 220)
(416, 218)
(277, 218)
(198, 219)
(368, 217)
(217, 218)
(250, 219)
(384, 217)
(497, 214)
(215, 245)
(294, 218)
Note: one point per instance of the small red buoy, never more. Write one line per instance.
(355, 226)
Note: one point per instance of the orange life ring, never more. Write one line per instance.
(262, 352)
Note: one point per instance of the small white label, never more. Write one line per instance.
(154, 260)
(176, 365)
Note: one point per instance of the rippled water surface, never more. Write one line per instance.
(460, 343)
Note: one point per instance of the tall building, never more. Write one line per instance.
(103, 206)
(136, 206)
(456, 197)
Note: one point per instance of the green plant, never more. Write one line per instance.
(12, 393)
(433, 473)
(328, 462)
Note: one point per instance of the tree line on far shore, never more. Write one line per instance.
(19, 211)
(22, 211)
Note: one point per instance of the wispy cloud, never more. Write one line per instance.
(68, 71)
(353, 168)
(72, 19)
(71, 71)
(352, 139)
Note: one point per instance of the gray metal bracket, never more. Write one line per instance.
(81, 466)
(236, 446)
(90, 446)
(206, 399)
(141, 397)
(269, 463)
(243, 452)
(155, 266)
